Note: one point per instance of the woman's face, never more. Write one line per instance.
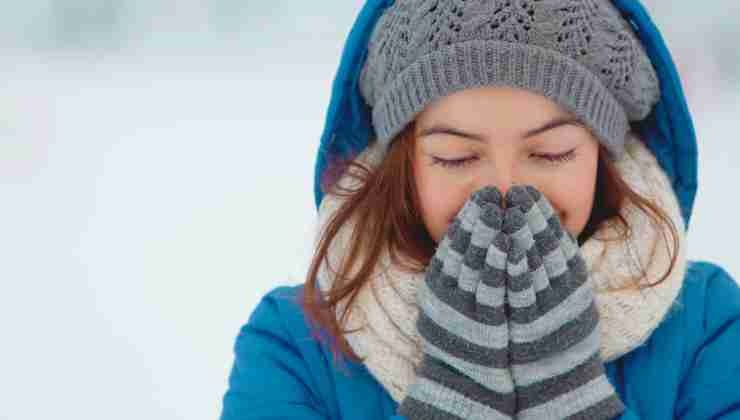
(502, 136)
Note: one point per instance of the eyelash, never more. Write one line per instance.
(554, 159)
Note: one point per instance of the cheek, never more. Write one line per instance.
(441, 198)
(573, 199)
(573, 206)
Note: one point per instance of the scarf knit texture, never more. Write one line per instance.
(385, 310)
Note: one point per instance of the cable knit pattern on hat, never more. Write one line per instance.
(580, 53)
(386, 312)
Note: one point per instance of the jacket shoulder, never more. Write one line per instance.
(709, 285)
(710, 386)
(277, 367)
(708, 270)
(278, 311)
(709, 298)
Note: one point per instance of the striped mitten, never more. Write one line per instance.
(553, 322)
(464, 372)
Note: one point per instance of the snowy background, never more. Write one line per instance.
(156, 173)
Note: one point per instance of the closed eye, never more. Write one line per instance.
(452, 163)
(550, 158)
(559, 157)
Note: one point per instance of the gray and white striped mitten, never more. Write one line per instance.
(553, 320)
(464, 373)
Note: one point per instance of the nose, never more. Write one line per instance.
(500, 176)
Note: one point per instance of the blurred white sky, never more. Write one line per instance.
(156, 173)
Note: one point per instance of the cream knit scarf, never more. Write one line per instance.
(386, 310)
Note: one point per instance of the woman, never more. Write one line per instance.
(504, 189)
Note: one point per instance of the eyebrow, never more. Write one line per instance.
(555, 123)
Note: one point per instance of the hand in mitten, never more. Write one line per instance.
(464, 372)
(553, 321)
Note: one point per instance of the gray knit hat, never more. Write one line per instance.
(582, 54)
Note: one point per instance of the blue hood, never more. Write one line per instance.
(668, 131)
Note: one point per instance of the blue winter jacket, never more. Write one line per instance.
(688, 369)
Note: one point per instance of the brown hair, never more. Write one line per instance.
(387, 216)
